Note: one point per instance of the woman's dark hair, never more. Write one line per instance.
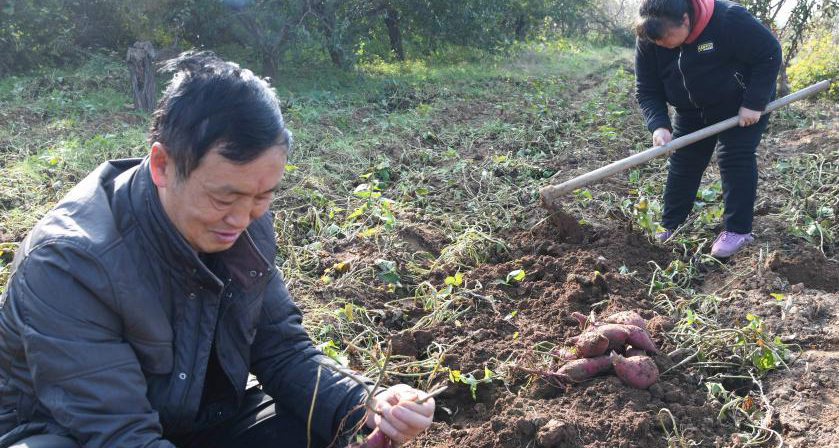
(213, 102)
(658, 16)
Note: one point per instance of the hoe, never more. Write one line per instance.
(552, 194)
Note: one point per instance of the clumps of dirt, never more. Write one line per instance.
(568, 228)
(507, 319)
(410, 343)
(806, 400)
(602, 413)
(807, 266)
(421, 239)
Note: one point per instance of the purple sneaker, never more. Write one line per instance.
(729, 242)
(662, 237)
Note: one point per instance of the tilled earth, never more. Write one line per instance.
(571, 268)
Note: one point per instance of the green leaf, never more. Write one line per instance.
(355, 214)
(764, 359)
(515, 276)
(777, 296)
(455, 280)
(454, 376)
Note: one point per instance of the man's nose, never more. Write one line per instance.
(239, 216)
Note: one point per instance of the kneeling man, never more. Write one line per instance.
(138, 306)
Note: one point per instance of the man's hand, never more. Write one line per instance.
(402, 417)
(662, 136)
(748, 117)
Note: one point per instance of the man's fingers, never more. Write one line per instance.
(391, 432)
(425, 409)
(410, 418)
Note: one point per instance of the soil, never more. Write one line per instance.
(571, 267)
(563, 275)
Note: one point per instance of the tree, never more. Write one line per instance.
(791, 33)
(270, 27)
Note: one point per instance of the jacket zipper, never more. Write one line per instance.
(684, 80)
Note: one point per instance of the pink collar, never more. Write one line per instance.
(702, 12)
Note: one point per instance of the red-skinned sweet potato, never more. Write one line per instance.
(616, 334)
(591, 344)
(583, 369)
(582, 319)
(626, 318)
(639, 338)
(636, 371)
(565, 353)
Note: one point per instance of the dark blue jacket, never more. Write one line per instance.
(109, 319)
(733, 62)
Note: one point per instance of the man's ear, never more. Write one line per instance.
(162, 170)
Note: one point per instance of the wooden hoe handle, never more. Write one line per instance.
(552, 193)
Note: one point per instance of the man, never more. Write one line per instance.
(138, 306)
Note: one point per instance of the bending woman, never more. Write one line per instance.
(710, 60)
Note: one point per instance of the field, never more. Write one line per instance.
(409, 224)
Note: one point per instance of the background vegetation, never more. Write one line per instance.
(424, 129)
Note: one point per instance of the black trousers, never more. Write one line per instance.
(737, 160)
(259, 424)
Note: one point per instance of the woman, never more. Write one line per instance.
(710, 60)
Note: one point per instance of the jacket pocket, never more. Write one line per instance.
(741, 81)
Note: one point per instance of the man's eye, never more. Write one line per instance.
(224, 203)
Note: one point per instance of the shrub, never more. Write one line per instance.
(817, 60)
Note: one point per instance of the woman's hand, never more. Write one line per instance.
(401, 417)
(748, 117)
(662, 136)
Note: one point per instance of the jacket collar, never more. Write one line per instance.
(702, 12)
(245, 264)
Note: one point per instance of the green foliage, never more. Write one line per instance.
(44, 33)
(818, 60)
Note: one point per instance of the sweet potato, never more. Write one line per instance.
(636, 371)
(583, 369)
(376, 439)
(639, 338)
(565, 353)
(626, 318)
(591, 344)
(581, 319)
(615, 333)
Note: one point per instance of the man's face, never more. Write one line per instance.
(220, 198)
(676, 35)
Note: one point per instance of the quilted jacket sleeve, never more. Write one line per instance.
(286, 363)
(649, 90)
(756, 46)
(84, 373)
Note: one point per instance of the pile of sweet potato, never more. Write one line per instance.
(624, 336)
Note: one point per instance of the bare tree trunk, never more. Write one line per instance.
(269, 65)
(139, 58)
(521, 28)
(394, 32)
(783, 81)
